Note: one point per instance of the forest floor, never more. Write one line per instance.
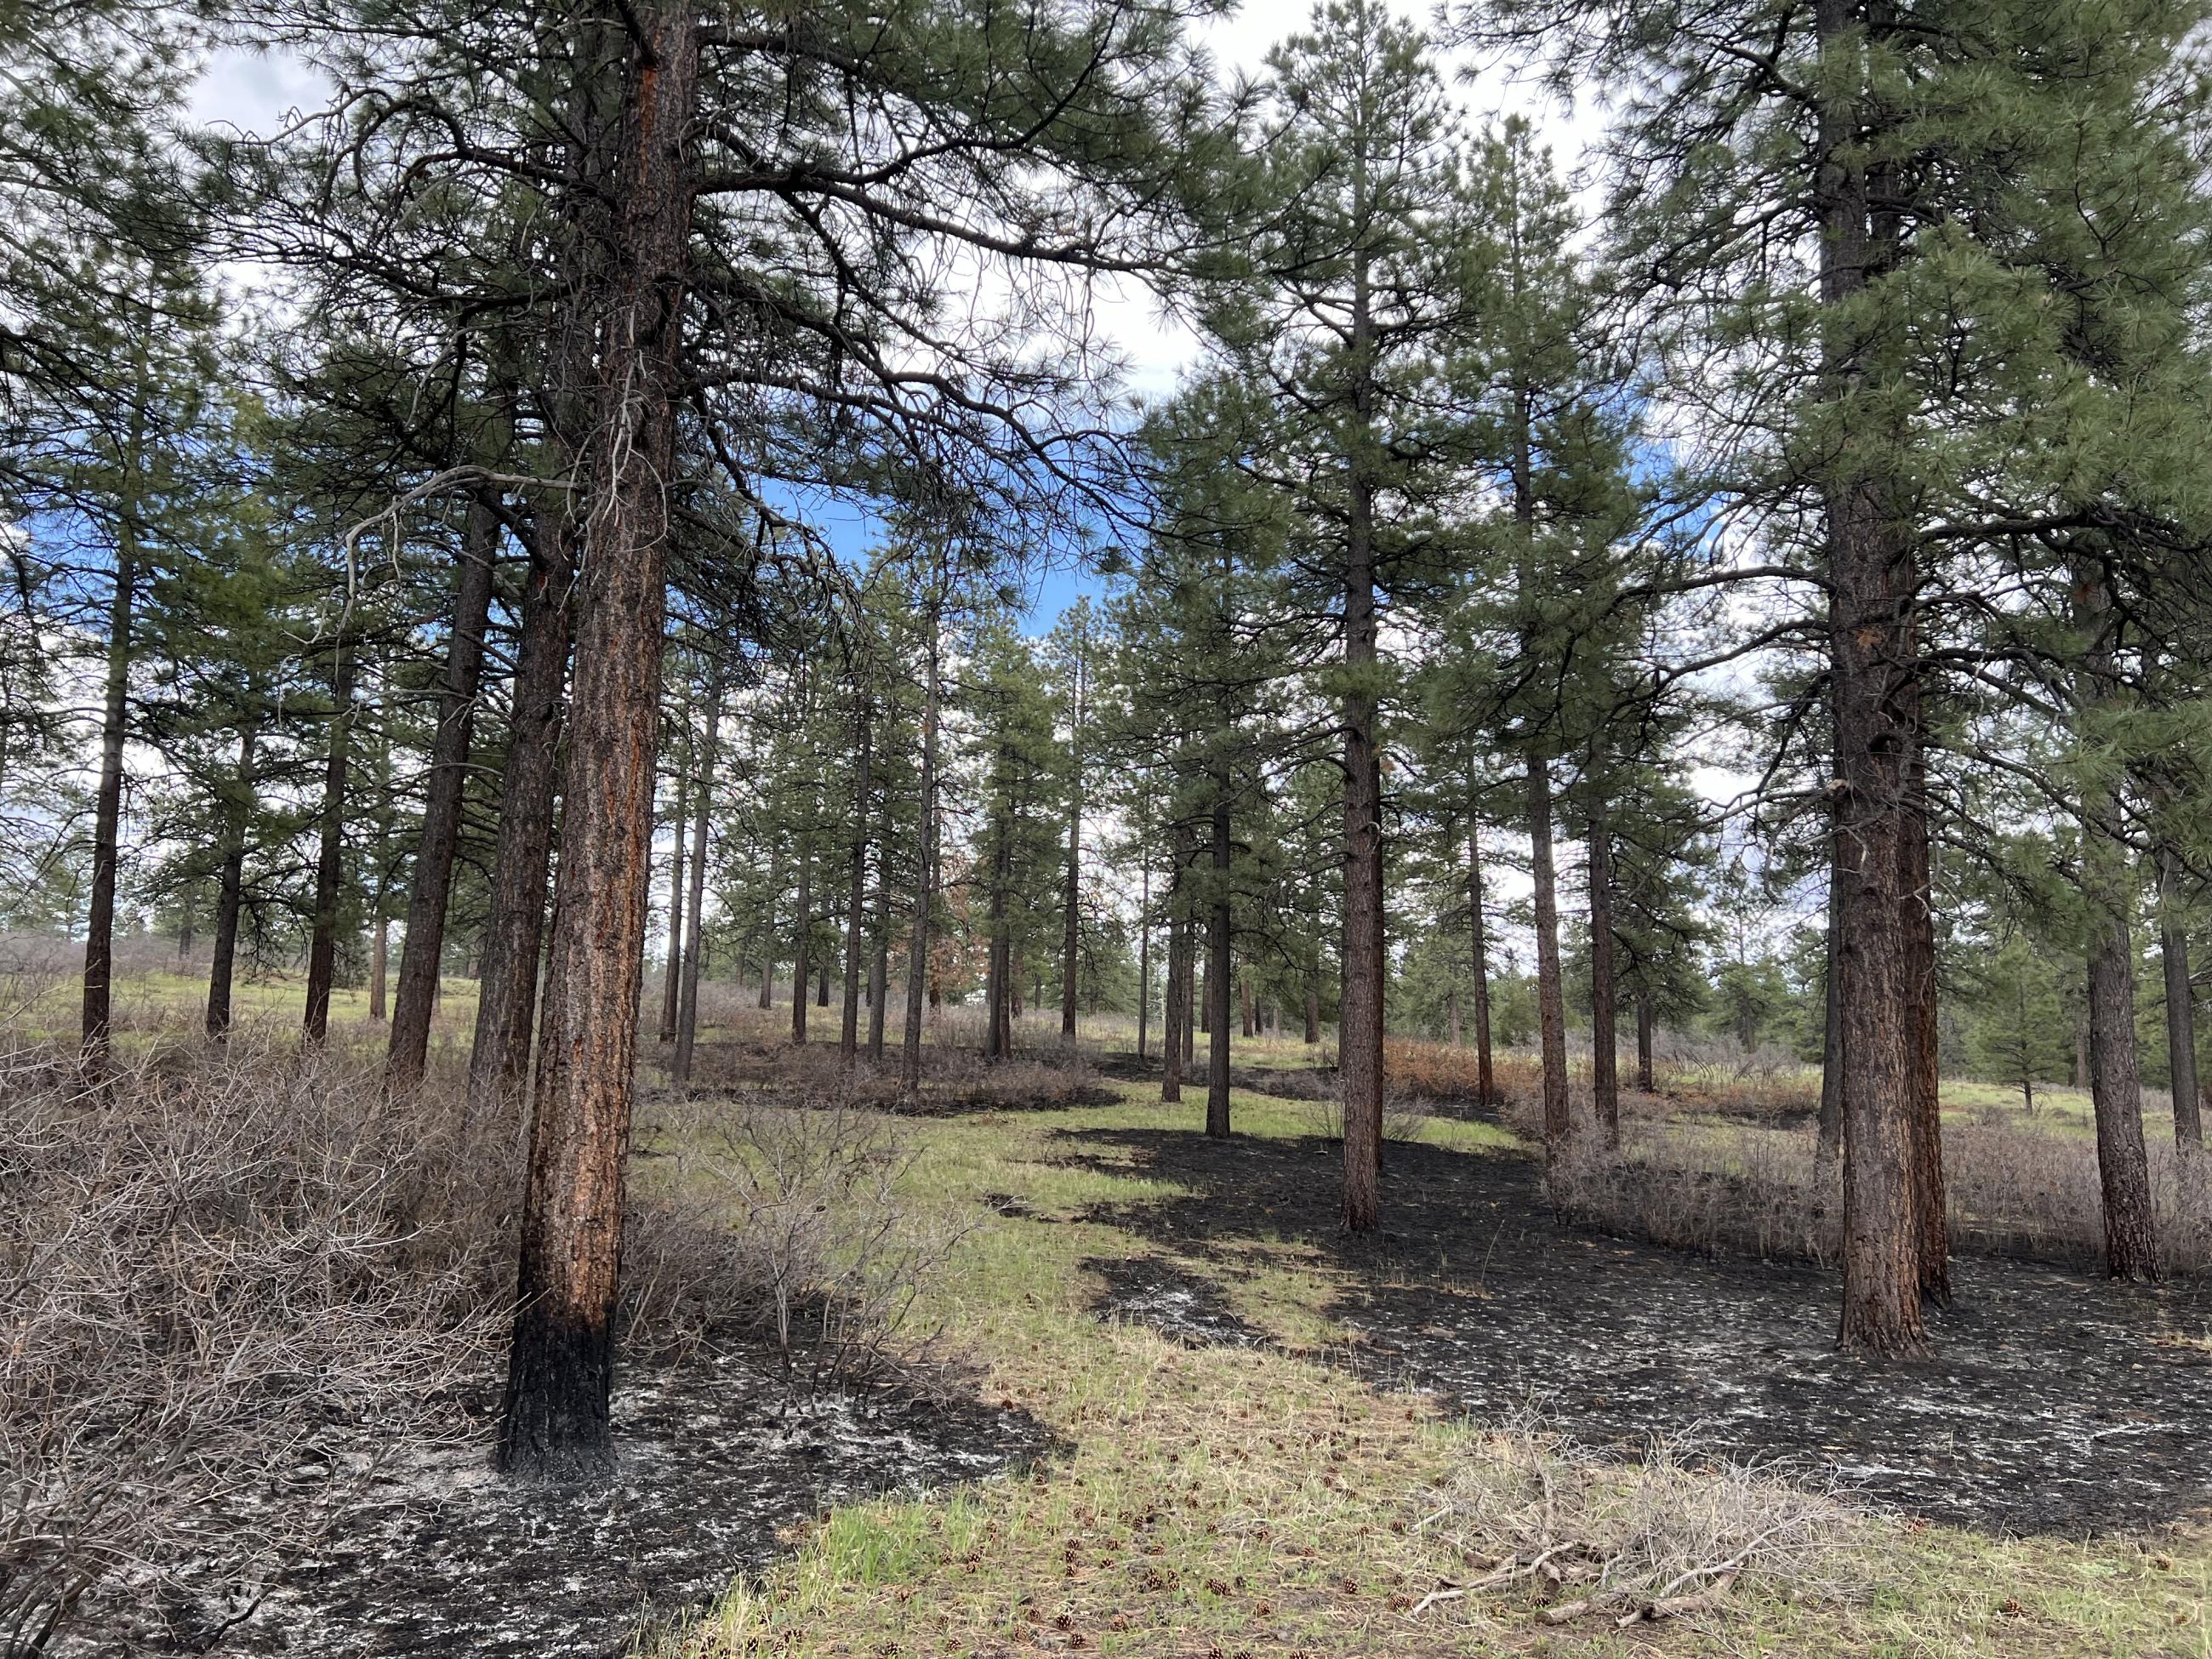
(1252, 1418)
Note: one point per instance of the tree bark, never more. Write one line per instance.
(230, 890)
(695, 947)
(1605, 1079)
(856, 899)
(1917, 886)
(560, 1368)
(1551, 1003)
(2180, 1006)
(108, 801)
(1218, 968)
(330, 858)
(918, 944)
(1144, 945)
(672, 977)
(1875, 663)
(1828, 1145)
(1486, 1075)
(506, 1006)
(1645, 1079)
(2115, 1086)
(802, 939)
(1175, 1053)
(1072, 925)
(407, 1051)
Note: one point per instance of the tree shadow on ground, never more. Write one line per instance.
(2055, 1403)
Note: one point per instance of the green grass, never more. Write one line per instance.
(1218, 1501)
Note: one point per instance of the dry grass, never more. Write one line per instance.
(1583, 1534)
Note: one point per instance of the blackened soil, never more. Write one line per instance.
(448, 1559)
(2055, 1403)
(1173, 1301)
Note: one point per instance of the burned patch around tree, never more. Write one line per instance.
(716, 1462)
(2056, 1404)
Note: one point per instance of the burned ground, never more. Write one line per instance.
(2055, 1403)
(716, 1461)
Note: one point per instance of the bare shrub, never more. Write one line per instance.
(206, 1264)
(1667, 1535)
(1404, 1115)
(790, 1221)
(953, 1077)
(1702, 1187)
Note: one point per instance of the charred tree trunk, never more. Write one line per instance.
(856, 900)
(237, 813)
(694, 944)
(330, 857)
(1605, 1079)
(1218, 969)
(420, 953)
(560, 1367)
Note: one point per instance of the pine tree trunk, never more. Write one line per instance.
(1451, 1018)
(1645, 1080)
(1551, 1002)
(230, 890)
(1072, 922)
(2180, 1006)
(1143, 946)
(695, 947)
(108, 801)
(1313, 1012)
(1604, 1080)
(1359, 1017)
(822, 982)
(802, 939)
(379, 960)
(555, 1423)
(1917, 884)
(1485, 1074)
(918, 943)
(330, 858)
(408, 1049)
(672, 977)
(856, 899)
(1175, 1015)
(1248, 1024)
(2115, 1086)
(1218, 969)
(998, 993)
(1828, 1145)
(506, 1006)
(1875, 659)
(879, 966)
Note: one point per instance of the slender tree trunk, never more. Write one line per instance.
(821, 982)
(1605, 1079)
(879, 966)
(1828, 1145)
(1218, 968)
(2180, 1007)
(1248, 1024)
(1360, 1018)
(1143, 946)
(506, 1005)
(695, 944)
(408, 1049)
(918, 944)
(238, 812)
(560, 1367)
(1175, 1053)
(999, 990)
(1917, 886)
(800, 967)
(1072, 922)
(1644, 1034)
(330, 858)
(108, 801)
(1313, 1010)
(2115, 1086)
(856, 901)
(380, 960)
(1485, 1074)
(672, 977)
(1551, 1003)
(1452, 1026)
